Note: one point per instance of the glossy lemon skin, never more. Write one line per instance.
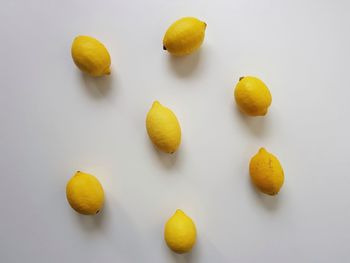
(184, 36)
(91, 56)
(163, 128)
(85, 193)
(252, 96)
(266, 172)
(180, 232)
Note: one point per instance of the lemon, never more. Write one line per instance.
(252, 96)
(91, 56)
(180, 232)
(184, 36)
(266, 172)
(163, 128)
(85, 193)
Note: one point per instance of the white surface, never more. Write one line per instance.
(55, 121)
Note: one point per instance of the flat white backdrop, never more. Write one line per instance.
(55, 120)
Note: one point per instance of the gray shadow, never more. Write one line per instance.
(213, 252)
(178, 258)
(188, 257)
(257, 125)
(93, 223)
(269, 202)
(185, 66)
(195, 255)
(168, 160)
(98, 87)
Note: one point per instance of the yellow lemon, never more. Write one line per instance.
(91, 56)
(266, 172)
(180, 232)
(85, 193)
(163, 128)
(252, 96)
(184, 36)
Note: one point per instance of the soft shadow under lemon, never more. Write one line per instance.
(257, 125)
(184, 66)
(269, 202)
(98, 87)
(94, 222)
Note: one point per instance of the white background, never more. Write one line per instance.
(55, 120)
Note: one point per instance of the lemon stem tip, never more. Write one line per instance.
(156, 103)
(108, 71)
(262, 149)
(178, 211)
